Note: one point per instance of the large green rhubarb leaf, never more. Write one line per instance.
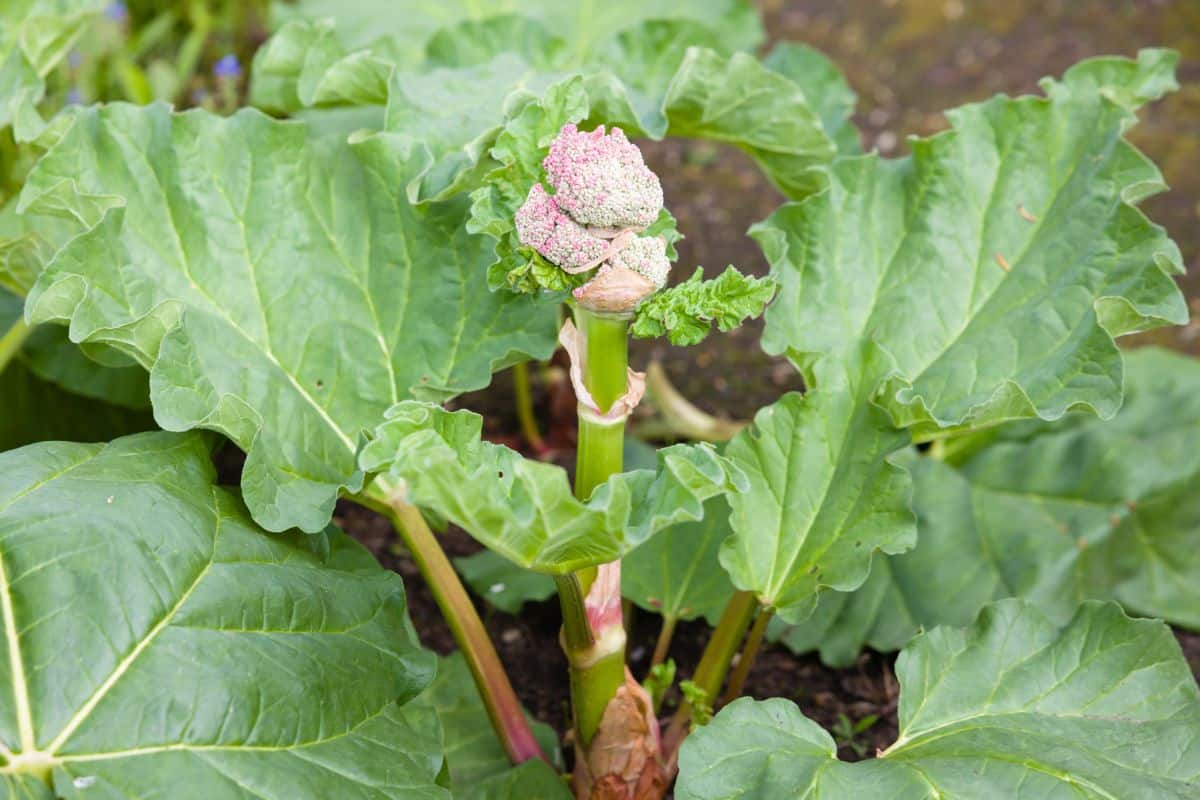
(205, 655)
(278, 288)
(677, 574)
(524, 509)
(34, 36)
(1054, 513)
(585, 26)
(672, 76)
(823, 494)
(1013, 707)
(825, 87)
(996, 265)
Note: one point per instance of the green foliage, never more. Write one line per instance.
(823, 496)
(995, 266)
(1012, 707)
(686, 311)
(34, 36)
(825, 87)
(525, 510)
(585, 26)
(36, 410)
(697, 697)
(313, 288)
(659, 681)
(477, 763)
(845, 732)
(46, 390)
(1055, 513)
(501, 582)
(161, 583)
(879, 309)
(252, 315)
(676, 573)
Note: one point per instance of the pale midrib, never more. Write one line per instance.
(215, 748)
(85, 711)
(16, 664)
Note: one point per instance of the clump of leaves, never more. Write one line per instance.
(314, 288)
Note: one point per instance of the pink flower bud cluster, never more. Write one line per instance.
(602, 180)
(647, 256)
(604, 194)
(562, 240)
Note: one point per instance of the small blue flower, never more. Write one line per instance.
(117, 11)
(228, 67)
(74, 59)
(74, 97)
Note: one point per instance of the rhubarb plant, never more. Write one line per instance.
(974, 472)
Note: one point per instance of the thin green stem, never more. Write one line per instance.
(605, 355)
(594, 683)
(598, 670)
(679, 418)
(601, 452)
(12, 340)
(524, 401)
(495, 689)
(663, 645)
(737, 680)
(714, 661)
(576, 632)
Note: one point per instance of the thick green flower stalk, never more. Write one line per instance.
(604, 199)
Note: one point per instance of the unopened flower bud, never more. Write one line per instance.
(647, 256)
(601, 180)
(542, 225)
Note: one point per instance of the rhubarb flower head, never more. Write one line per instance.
(604, 198)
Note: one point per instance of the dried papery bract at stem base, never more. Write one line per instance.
(624, 761)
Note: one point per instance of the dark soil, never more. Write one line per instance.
(528, 646)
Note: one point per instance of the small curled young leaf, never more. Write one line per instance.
(697, 697)
(685, 313)
(660, 679)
